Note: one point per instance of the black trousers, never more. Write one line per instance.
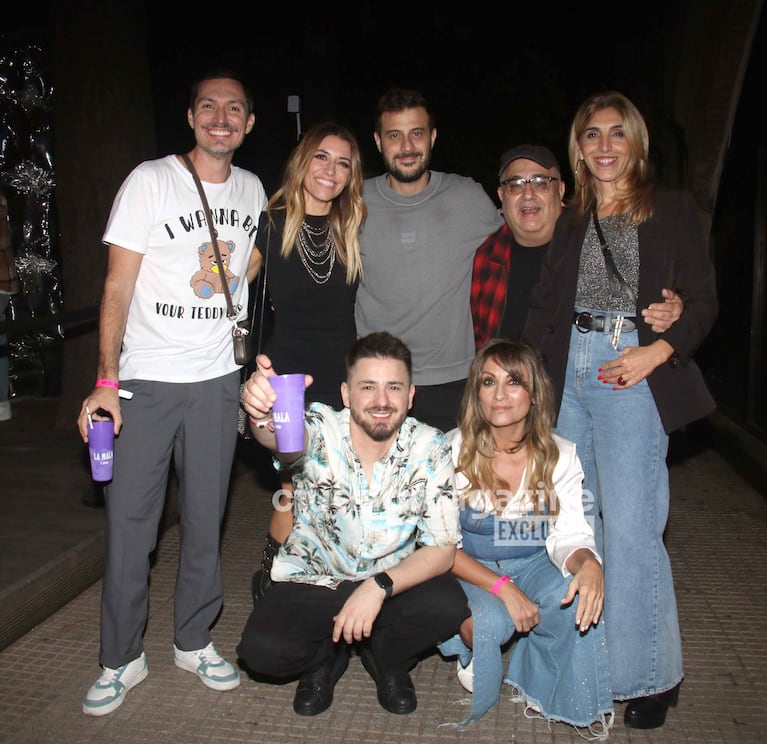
(437, 405)
(289, 630)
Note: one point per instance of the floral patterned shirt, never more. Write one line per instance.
(345, 528)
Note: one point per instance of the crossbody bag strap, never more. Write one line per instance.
(264, 272)
(612, 269)
(231, 313)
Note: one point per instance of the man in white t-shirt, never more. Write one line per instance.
(165, 339)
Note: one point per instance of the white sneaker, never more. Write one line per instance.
(5, 410)
(212, 668)
(466, 675)
(108, 691)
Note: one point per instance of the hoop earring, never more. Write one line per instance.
(578, 168)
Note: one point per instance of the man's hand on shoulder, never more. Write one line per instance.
(660, 316)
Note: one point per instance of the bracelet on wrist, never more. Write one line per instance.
(108, 383)
(263, 424)
(499, 584)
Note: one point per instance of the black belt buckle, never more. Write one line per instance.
(586, 318)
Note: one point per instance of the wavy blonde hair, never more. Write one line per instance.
(637, 200)
(475, 458)
(347, 211)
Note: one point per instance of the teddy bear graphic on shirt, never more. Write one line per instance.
(207, 280)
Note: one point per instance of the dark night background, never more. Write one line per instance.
(495, 76)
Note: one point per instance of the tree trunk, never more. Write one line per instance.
(104, 126)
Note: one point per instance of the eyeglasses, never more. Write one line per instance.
(540, 184)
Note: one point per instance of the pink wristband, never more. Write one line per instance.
(263, 424)
(108, 383)
(498, 584)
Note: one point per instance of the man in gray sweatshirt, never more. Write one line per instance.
(418, 244)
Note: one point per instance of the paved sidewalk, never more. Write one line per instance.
(716, 538)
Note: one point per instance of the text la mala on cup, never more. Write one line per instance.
(288, 412)
(101, 438)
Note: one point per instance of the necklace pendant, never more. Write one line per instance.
(315, 255)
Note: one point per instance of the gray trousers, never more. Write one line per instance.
(193, 425)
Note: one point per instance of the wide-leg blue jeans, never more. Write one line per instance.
(559, 673)
(622, 446)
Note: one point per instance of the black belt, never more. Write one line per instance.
(586, 322)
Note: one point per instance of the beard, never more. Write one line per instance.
(378, 431)
(219, 150)
(408, 176)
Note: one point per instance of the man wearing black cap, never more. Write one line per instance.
(531, 191)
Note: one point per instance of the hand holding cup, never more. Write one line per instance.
(279, 399)
(101, 439)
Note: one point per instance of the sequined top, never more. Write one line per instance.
(594, 291)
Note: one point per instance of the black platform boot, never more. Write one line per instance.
(262, 579)
(650, 712)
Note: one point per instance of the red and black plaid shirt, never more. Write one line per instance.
(488, 284)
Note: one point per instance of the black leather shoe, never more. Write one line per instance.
(650, 712)
(314, 693)
(395, 688)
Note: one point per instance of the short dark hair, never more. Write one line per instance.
(399, 99)
(217, 74)
(379, 345)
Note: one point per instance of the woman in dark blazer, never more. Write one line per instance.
(621, 387)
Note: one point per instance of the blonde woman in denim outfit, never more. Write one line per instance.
(527, 559)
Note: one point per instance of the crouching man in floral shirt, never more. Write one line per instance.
(375, 527)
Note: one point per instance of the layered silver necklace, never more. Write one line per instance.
(317, 250)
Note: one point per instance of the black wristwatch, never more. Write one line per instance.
(384, 581)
